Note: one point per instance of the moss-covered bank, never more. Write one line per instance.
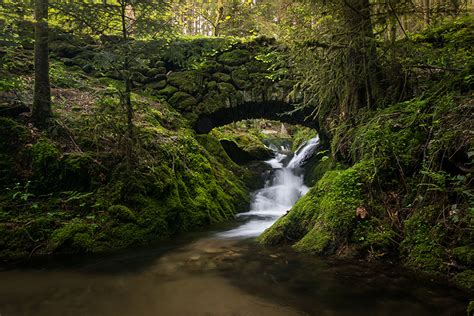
(396, 183)
(74, 187)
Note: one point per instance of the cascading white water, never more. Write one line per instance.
(280, 193)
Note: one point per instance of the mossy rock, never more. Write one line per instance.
(140, 78)
(73, 236)
(12, 134)
(256, 66)
(235, 57)
(209, 66)
(213, 101)
(122, 213)
(64, 49)
(464, 254)
(14, 242)
(45, 156)
(188, 81)
(7, 168)
(470, 309)
(241, 78)
(465, 280)
(77, 171)
(167, 91)
(375, 235)
(226, 88)
(221, 77)
(211, 85)
(183, 101)
(421, 248)
(157, 85)
(152, 72)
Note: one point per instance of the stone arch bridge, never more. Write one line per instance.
(211, 81)
(232, 84)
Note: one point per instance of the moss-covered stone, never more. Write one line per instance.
(421, 247)
(221, 77)
(240, 77)
(213, 101)
(464, 254)
(157, 85)
(183, 101)
(167, 91)
(12, 134)
(122, 213)
(470, 308)
(226, 88)
(188, 81)
(465, 280)
(235, 57)
(76, 235)
(153, 72)
(209, 66)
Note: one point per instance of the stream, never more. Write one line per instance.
(223, 271)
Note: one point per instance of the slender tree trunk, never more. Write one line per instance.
(219, 15)
(42, 90)
(363, 78)
(427, 11)
(127, 102)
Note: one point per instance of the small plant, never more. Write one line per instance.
(21, 192)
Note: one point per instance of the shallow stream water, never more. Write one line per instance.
(223, 271)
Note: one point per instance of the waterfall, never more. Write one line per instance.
(303, 153)
(281, 191)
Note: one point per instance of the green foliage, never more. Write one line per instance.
(76, 235)
(464, 254)
(465, 279)
(122, 213)
(234, 57)
(422, 247)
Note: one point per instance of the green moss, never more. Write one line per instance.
(12, 135)
(122, 213)
(45, 164)
(76, 235)
(14, 241)
(183, 101)
(375, 235)
(221, 77)
(464, 254)
(226, 88)
(157, 85)
(44, 155)
(465, 280)
(167, 91)
(213, 101)
(470, 308)
(240, 77)
(188, 81)
(421, 248)
(235, 57)
(208, 66)
(77, 170)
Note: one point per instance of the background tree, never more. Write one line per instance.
(42, 91)
(118, 24)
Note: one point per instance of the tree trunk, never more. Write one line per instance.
(219, 15)
(126, 100)
(42, 90)
(427, 11)
(363, 79)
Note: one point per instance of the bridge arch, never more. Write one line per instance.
(271, 110)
